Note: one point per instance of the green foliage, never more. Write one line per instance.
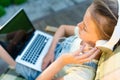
(5, 2)
(2, 11)
(19, 1)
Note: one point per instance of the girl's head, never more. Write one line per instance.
(99, 21)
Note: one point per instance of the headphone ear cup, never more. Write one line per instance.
(101, 43)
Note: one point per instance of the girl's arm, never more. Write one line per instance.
(6, 57)
(64, 30)
(71, 58)
(53, 69)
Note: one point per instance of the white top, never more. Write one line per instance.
(77, 41)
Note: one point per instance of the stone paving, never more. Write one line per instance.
(38, 8)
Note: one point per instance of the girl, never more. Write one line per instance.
(98, 24)
(76, 57)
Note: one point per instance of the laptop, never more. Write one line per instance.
(35, 48)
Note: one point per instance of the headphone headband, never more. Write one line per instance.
(115, 36)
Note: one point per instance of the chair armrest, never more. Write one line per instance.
(51, 29)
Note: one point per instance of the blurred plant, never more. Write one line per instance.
(5, 3)
(2, 11)
(18, 1)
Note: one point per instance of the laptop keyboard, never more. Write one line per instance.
(35, 49)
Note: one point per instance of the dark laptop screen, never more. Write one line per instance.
(18, 22)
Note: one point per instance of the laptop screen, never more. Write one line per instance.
(19, 22)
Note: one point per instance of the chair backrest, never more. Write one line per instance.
(108, 64)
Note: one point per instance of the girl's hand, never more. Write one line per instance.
(48, 59)
(77, 58)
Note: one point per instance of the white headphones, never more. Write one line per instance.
(115, 36)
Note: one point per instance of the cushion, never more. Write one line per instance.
(109, 65)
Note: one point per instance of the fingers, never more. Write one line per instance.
(52, 60)
(88, 54)
(45, 64)
(77, 53)
(88, 57)
(82, 48)
(48, 59)
(94, 55)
